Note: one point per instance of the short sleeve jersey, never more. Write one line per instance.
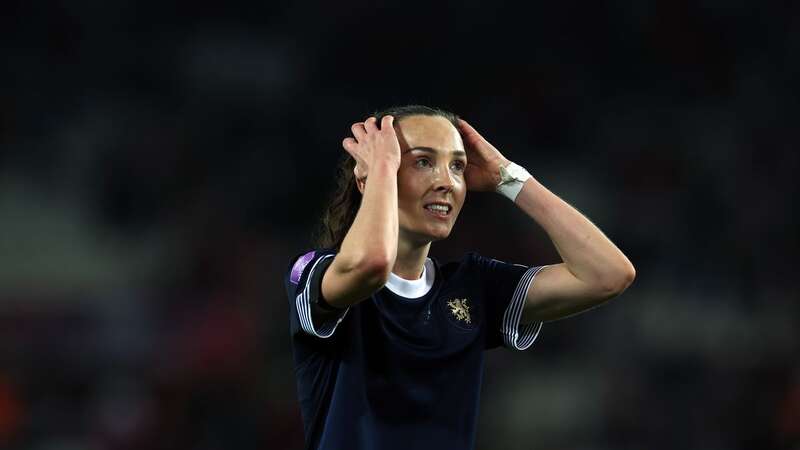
(403, 369)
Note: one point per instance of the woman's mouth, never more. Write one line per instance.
(439, 210)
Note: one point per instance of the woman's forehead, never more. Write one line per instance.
(434, 132)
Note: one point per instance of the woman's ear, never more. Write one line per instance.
(360, 183)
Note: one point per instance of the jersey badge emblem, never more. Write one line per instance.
(459, 308)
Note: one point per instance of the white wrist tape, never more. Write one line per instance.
(512, 177)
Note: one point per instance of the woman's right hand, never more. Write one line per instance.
(372, 145)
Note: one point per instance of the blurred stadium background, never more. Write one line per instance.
(160, 164)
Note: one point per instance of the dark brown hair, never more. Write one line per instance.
(346, 199)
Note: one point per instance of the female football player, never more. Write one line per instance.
(388, 343)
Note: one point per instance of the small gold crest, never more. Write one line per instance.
(460, 309)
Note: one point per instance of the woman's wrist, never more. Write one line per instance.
(385, 166)
(512, 178)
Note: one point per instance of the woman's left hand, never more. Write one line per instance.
(483, 160)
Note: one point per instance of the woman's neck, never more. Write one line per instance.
(410, 259)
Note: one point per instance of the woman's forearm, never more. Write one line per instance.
(372, 239)
(588, 254)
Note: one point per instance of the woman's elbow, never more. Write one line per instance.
(620, 280)
(377, 269)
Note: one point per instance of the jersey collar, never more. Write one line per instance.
(413, 288)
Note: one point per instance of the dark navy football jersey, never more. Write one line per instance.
(403, 369)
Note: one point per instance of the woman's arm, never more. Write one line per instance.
(369, 248)
(594, 269)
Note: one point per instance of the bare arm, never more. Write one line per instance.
(594, 269)
(369, 249)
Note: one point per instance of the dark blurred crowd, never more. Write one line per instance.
(161, 163)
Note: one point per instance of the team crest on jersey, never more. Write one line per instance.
(459, 308)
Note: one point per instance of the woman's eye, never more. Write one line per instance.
(423, 162)
(459, 165)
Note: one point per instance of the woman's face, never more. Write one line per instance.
(431, 172)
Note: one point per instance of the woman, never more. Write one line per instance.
(388, 343)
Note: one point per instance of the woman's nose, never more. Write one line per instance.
(443, 179)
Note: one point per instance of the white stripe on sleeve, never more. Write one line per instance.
(517, 336)
(303, 303)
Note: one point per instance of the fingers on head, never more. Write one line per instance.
(358, 130)
(349, 144)
(371, 125)
(466, 127)
(387, 123)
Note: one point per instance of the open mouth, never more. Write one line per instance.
(439, 209)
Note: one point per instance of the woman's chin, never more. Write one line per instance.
(431, 234)
(439, 233)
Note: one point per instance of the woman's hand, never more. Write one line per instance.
(483, 160)
(372, 145)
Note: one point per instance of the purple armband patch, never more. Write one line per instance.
(299, 265)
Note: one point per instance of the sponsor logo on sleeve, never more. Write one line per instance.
(299, 265)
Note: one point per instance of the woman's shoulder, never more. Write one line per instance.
(301, 260)
(474, 261)
(466, 258)
(311, 253)
(453, 265)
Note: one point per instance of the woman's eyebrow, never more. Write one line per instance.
(433, 150)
